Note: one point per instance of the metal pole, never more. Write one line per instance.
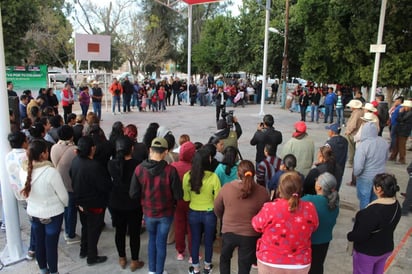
(378, 54)
(13, 251)
(265, 59)
(189, 49)
(285, 61)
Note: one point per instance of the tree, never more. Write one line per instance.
(25, 25)
(50, 37)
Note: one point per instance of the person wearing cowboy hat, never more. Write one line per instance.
(97, 95)
(302, 146)
(352, 126)
(367, 117)
(403, 130)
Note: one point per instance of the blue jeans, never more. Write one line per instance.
(314, 112)
(84, 108)
(70, 217)
(328, 111)
(158, 229)
(47, 239)
(198, 221)
(364, 191)
(116, 100)
(339, 115)
(97, 108)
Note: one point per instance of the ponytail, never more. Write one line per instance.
(36, 148)
(290, 188)
(246, 172)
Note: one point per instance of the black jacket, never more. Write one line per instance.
(121, 173)
(263, 137)
(91, 183)
(404, 126)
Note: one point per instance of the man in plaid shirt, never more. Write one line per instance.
(157, 185)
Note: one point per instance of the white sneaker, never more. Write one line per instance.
(3, 227)
(74, 240)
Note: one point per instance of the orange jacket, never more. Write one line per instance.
(115, 86)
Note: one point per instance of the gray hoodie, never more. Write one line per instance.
(371, 153)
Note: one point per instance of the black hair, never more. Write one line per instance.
(65, 132)
(171, 141)
(289, 161)
(56, 121)
(229, 158)
(388, 183)
(123, 148)
(37, 130)
(200, 162)
(268, 120)
(271, 149)
(23, 97)
(150, 134)
(16, 139)
(70, 117)
(117, 131)
(84, 146)
(34, 111)
(26, 123)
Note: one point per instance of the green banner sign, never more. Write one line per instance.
(27, 77)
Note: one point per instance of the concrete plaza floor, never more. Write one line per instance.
(199, 123)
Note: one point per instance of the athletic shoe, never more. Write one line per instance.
(30, 255)
(74, 240)
(192, 270)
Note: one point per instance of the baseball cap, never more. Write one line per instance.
(160, 142)
(334, 127)
(300, 128)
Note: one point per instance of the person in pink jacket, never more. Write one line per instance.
(286, 225)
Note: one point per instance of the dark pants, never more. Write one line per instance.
(85, 109)
(246, 252)
(127, 220)
(218, 110)
(318, 258)
(66, 111)
(303, 113)
(47, 240)
(176, 94)
(126, 102)
(91, 229)
(407, 203)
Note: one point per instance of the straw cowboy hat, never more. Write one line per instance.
(369, 117)
(354, 103)
(370, 107)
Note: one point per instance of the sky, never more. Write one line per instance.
(235, 9)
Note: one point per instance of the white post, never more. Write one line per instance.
(265, 59)
(189, 49)
(378, 54)
(13, 251)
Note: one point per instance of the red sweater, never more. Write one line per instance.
(285, 235)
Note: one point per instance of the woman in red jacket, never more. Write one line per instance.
(286, 225)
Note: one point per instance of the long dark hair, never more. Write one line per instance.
(150, 134)
(123, 148)
(117, 131)
(36, 148)
(229, 158)
(200, 162)
(246, 172)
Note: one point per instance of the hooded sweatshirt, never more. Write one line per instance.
(157, 185)
(369, 160)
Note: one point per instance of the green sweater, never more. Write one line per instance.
(208, 192)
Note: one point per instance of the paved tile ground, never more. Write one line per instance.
(199, 123)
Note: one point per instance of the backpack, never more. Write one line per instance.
(231, 140)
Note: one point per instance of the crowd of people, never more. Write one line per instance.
(279, 210)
